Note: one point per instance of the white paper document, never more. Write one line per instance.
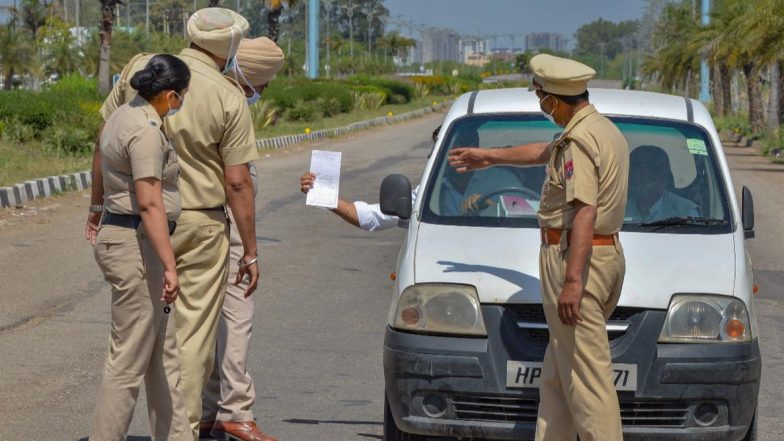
(326, 166)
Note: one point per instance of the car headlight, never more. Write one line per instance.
(439, 309)
(706, 319)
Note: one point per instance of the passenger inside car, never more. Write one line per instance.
(651, 188)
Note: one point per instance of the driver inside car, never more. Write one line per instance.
(650, 188)
(478, 186)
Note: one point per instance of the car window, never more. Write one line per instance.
(673, 173)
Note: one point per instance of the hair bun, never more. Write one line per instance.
(142, 79)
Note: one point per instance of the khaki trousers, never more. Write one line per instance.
(143, 344)
(201, 245)
(577, 396)
(230, 394)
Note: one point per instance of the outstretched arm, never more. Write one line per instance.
(466, 159)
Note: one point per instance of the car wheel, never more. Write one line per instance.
(751, 435)
(391, 432)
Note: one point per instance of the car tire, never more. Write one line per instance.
(391, 432)
(751, 435)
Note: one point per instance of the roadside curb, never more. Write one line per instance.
(287, 140)
(21, 193)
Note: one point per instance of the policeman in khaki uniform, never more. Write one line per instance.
(227, 404)
(215, 140)
(133, 250)
(581, 261)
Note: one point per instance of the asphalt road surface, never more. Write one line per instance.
(321, 307)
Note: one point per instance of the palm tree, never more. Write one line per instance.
(716, 43)
(58, 47)
(762, 25)
(105, 53)
(15, 53)
(676, 59)
(273, 16)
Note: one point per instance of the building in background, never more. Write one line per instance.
(474, 51)
(546, 40)
(439, 44)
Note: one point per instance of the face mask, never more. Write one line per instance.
(256, 95)
(549, 116)
(254, 99)
(173, 112)
(231, 64)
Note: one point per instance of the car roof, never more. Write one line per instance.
(607, 101)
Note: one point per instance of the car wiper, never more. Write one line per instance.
(677, 220)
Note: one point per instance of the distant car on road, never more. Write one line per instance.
(466, 332)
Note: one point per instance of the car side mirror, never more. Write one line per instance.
(747, 209)
(395, 196)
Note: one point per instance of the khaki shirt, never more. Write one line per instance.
(213, 130)
(589, 162)
(134, 147)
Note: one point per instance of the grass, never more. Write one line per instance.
(344, 119)
(20, 163)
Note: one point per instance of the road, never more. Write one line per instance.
(321, 307)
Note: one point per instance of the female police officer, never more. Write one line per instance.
(134, 252)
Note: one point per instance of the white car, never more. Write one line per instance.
(466, 332)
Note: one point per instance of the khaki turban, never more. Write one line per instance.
(258, 60)
(217, 30)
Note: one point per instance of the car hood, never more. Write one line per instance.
(503, 263)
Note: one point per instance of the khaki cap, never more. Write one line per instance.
(219, 31)
(560, 76)
(258, 60)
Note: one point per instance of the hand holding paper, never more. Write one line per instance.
(326, 166)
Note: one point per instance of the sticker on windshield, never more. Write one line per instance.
(697, 147)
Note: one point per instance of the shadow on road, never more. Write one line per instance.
(317, 422)
(130, 438)
(370, 435)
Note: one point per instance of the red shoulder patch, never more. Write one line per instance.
(569, 169)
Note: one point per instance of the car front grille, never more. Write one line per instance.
(513, 409)
(531, 319)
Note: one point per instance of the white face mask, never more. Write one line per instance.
(549, 116)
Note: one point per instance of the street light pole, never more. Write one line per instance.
(313, 39)
(328, 4)
(349, 7)
(146, 18)
(370, 13)
(704, 73)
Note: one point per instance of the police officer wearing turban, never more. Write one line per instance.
(214, 140)
(227, 404)
(581, 261)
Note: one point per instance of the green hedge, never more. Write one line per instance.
(392, 87)
(63, 116)
(287, 93)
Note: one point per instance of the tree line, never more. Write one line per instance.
(743, 46)
(41, 39)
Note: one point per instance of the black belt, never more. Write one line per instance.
(130, 221)
(218, 208)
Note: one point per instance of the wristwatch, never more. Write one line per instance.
(96, 208)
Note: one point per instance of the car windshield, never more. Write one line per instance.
(674, 180)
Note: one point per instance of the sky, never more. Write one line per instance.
(472, 17)
(514, 16)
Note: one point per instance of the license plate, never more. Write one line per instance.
(528, 374)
